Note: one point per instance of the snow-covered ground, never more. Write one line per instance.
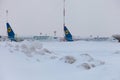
(80, 60)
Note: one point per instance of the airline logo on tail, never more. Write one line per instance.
(68, 35)
(66, 32)
(11, 34)
(9, 30)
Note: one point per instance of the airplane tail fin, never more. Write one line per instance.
(68, 35)
(10, 32)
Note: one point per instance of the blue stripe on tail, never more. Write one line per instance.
(68, 35)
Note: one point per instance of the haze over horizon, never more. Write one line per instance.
(83, 17)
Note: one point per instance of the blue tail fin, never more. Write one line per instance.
(11, 34)
(68, 35)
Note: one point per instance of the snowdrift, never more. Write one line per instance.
(34, 60)
(35, 48)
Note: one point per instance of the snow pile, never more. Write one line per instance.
(117, 52)
(31, 60)
(88, 62)
(35, 49)
(69, 59)
(28, 48)
(83, 61)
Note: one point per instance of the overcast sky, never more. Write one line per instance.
(83, 17)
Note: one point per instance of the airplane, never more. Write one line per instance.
(117, 37)
(11, 34)
(68, 35)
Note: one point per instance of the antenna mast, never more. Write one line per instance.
(7, 15)
(63, 12)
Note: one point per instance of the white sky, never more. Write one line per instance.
(83, 17)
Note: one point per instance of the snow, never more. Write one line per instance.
(79, 60)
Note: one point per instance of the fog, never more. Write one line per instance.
(83, 17)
